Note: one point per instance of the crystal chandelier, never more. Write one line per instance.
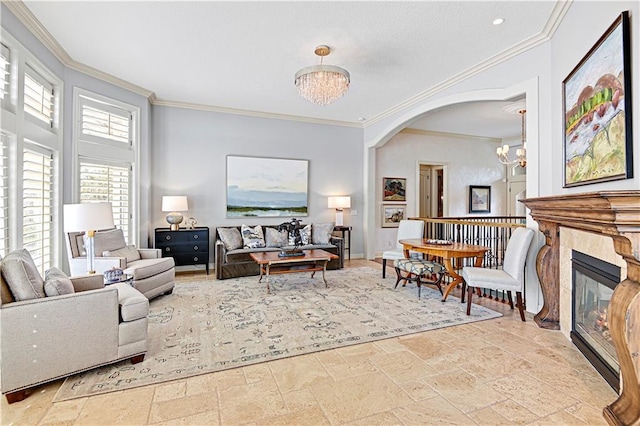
(322, 84)
(521, 153)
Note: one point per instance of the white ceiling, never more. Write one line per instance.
(239, 55)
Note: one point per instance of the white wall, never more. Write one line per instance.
(469, 161)
(190, 147)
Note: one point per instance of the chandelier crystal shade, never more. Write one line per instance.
(322, 84)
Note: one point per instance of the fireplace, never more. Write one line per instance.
(593, 283)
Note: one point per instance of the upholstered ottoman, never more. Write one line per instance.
(420, 271)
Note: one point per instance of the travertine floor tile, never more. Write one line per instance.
(170, 390)
(418, 390)
(559, 418)
(32, 409)
(117, 409)
(351, 369)
(209, 418)
(431, 411)
(257, 373)
(300, 400)
(488, 417)
(309, 416)
(464, 391)
(383, 419)
(533, 394)
(204, 383)
(251, 402)
(63, 412)
(403, 366)
(354, 398)
(298, 372)
(514, 412)
(183, 407)
(587, 413)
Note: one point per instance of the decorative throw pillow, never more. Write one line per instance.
(305, 236)
(321, 232)
(131, 253)
(57, 283)
(252, 237)
(275, 238)
(230, 237)
(21, 275)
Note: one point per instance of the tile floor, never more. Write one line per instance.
(495, 372)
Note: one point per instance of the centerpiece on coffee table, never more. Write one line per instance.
(293, 229)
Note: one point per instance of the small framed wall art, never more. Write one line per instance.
(394, 189)
(392, 214)
(596, 99)
(479, 199)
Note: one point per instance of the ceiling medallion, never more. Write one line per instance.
(322, 84)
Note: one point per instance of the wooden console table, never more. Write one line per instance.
(612, 213)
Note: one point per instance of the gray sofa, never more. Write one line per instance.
(238, 263)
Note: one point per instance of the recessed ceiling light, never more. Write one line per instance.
(498, 21)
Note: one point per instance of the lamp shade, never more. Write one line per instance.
(339, 202)
(87, 217)
(174, 203)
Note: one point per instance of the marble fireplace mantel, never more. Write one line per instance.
(615, 214)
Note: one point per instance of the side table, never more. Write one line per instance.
(347, 230)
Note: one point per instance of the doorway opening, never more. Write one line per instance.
(431, 190)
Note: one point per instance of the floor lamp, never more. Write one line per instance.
(88, 218)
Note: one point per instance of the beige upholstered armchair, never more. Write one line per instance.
(59, 326)
(153, 275)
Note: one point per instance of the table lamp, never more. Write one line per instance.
(88, 218)
(339, 203)
(174, 204)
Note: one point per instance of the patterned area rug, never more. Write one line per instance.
(216, 325)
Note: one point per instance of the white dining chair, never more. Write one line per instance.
(509, 278)
(407, 229)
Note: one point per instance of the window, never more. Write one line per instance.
(103, 182)
(37, 205)
(38, 96)
(5, 72)
(4, 194)
(102, 121)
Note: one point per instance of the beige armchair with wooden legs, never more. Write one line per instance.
(58, 326)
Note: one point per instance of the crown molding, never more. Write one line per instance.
(559, 10)
(421, 132)
(188, 105)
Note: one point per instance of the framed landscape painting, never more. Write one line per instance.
(392, 214)
(267, 187)
(479, 199)
(394, 189)
(597, 111)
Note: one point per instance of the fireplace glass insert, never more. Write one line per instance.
(593, 283)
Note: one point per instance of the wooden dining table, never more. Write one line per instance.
(451, 255)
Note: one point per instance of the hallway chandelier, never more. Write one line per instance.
(521, 153)
(322, 84)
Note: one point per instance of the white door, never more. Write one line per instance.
(516, 190)
(425, 191)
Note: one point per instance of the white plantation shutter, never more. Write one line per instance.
(5, 72)
(4, 194)
(101, 121)
(108, 183)
(37, 206)
(38, 96)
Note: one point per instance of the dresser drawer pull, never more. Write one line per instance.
(195, 259)
(167, 249)
(196, 236)
(168, 237)
(195, 248)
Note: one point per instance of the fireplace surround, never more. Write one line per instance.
(615, 214)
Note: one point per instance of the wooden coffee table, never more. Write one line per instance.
(272, 264)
